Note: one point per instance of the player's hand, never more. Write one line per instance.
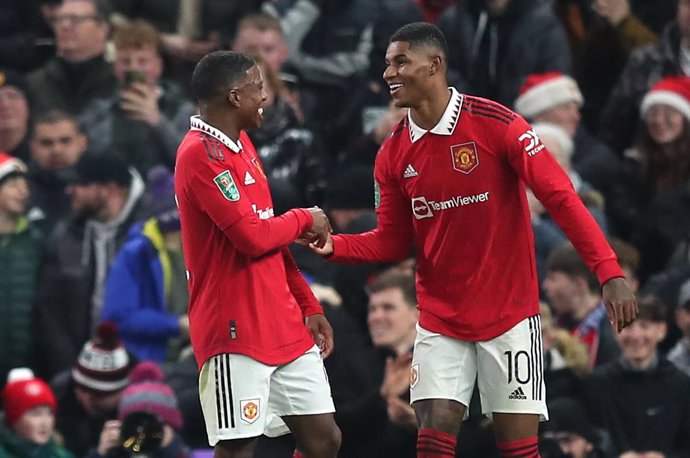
(320, 229)
(400, 413)
(322, 333)
(620, 302)
(396, 376)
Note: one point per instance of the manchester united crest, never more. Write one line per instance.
(250, 410)
(414, 375)
(464, 157)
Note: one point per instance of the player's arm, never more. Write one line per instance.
(393, 237)
(213, 188)
(552, 186)
(314, 318)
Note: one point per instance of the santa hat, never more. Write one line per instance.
(103, 364)
(556, 133)
(149, 393)
(673, 91)
(10, 166)
(543, 91)
(24, 392)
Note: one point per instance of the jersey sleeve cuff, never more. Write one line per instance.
(607, 270)
(304, 219)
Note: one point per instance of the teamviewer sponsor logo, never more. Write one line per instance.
(421, 208)
(517, 394)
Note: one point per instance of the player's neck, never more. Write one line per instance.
(430, 111)
(223, 121)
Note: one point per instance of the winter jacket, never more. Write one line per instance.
(135, 292)
(142, 145)
(492, 56)
(70, 87)
(643, 410)
(69, 287)
(13, 446)
(645, 67)
(20, 261)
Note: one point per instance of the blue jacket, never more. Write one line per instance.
(135, 292)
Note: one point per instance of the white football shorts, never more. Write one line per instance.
(241, 397)
(509, 369)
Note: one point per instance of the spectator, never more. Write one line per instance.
(575, 296)
(571, 432)
(105, 197)
(147, 394)
(79, 73)
(21, 250)
(330, 44)
(146, 291)
(497, 44)
(29, 426)
(680, 353)
(262, 34)
(14, 115)
(649, 200)
(378, 420)
(644, 68)
(56, 142)
(88, 394)
(642, 399)
(614, 30)
(147, 118)
(556, 98)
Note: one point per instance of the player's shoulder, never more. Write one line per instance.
(197, 146)
(488, 111)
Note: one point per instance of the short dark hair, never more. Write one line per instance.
(102, 9)
(392, 279)
(564, 258)
(421, 34)
(652, 309)
(53, 116)
(217, 72)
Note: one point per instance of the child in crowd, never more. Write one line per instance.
(28, 429)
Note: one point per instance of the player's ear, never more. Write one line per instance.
(234, 98)
(435, 64)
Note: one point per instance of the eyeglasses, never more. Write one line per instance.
(73, 19)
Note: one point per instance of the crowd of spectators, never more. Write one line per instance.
(95, 97)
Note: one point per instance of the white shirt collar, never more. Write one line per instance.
(446, 125)
(196, 123)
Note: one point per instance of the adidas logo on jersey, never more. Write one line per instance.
(248, 179)
(517, 394)
(410, 172)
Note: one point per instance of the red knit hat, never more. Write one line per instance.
(673, 91)
(10, 166)
(103, 364)
(149, 393)
(23, 392)
(543, 91)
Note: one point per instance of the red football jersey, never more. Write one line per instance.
(242, 280)
(457, 192)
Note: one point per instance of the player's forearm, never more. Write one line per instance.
(299, 288)
(255, 237)
(373, 246)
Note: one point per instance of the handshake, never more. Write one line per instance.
(318, 237)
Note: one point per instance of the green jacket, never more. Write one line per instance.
(12, 446)
(20, 260)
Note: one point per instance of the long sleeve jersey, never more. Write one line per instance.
(246, 294)
(457, 193)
